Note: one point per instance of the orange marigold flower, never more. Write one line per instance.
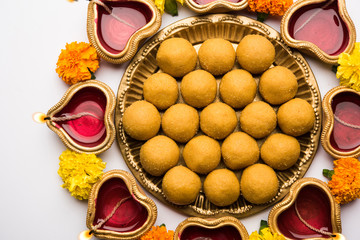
(76, 62)
(272, 7)
(158, 233)
(345, 182)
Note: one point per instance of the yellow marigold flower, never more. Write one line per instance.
(79, 172)
(272, 7)
(345, 182)
(158, 233)
(348, 70)
(160, 4)
(76, 61)
(265, 235)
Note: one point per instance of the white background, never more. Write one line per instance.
(32, 203)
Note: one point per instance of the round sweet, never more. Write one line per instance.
(222, 187)
(278, 85)
(176, 56)
(218, 120)
(161, 89)
(181, 185)
(255, 53)
(239, 150)
(238, 88)
(258, 119)
(202, 154)
(296, 117)
(198, 88)
(217, 56)
(280, 151)
(141, 120)
(259, 183)
(180, 122)
(159, 154)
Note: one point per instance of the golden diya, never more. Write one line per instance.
(207, 6)
(309, 211)
(224, 228)
(116, 28)
(341, 125)
(118, 209)
(83, 118)
(322, 28)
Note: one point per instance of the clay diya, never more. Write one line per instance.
(309, 211)
(118, 209)
(83, 118)
(204, 6)
(320, 27)
(341, 132)
(117, 27)
(224, 228)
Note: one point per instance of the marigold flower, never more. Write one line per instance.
(265, 235)
(345, 182)
(272, 7)
(348, 70)
(158, 233)
(76, 62)
(79, 172)
(160, 4)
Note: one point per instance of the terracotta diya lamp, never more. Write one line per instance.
(116, 28)
(309, 211)
(341, 127)
(83, 118)
(320, 27)
(205, 6)
(118, 209)
(224, 228)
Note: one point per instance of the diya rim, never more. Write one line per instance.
(134, 40)
(216, 6)
(290, 199)
(136, 193)
(328, 124)
(108, 117)
(311, 48)
(211, 223)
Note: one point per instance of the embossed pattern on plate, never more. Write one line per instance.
(197, 30)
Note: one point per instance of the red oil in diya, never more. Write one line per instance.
(113, 33)
(129, 216)
(346, 132)
(221, 233)
(313, 206)
(87, 128)
(203, 2)
(322, 25)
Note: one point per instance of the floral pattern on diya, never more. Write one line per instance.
(341, 125)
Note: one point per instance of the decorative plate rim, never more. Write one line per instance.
(185, 24)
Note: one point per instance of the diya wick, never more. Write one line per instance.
(88, 234)
(42, 118)
(98, 2)
(334, 236)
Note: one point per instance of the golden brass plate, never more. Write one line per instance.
(197, 30)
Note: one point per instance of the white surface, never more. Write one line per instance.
(33, 205)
